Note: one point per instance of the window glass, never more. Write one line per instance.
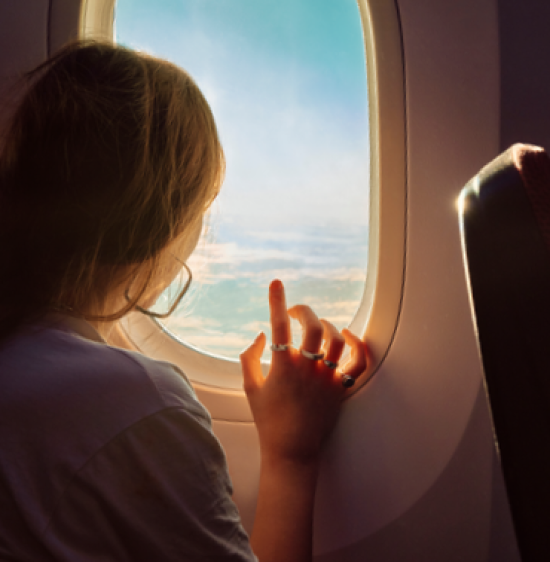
(286, 80)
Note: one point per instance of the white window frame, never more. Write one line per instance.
(218, 380)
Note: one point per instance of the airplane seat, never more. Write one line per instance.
(505, 228)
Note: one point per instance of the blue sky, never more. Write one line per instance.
(286, 81)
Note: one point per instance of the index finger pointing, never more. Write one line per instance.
(280, 322)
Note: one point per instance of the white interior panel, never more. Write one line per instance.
(399, 434)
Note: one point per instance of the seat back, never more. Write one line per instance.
(505, 226)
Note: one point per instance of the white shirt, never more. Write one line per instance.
(107, 455)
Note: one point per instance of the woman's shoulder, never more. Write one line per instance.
(65, 381)
(171, 384)
(105, 436)
(72, 353)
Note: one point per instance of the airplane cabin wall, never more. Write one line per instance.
(23, 37)
(23, 45)
(413, 458)
(525, 75)
(411, 472)
(30, 31)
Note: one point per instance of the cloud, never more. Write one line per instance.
(333, 258)
(330, 306)
(233, 253)
(265, 276)
(300, 236)
(256, 326)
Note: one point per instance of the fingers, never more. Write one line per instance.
(280, 322)
(250, 363)
(313, 330)
(334, 342)
(357, 363)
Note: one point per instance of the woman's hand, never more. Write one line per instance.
(296, 405)
(294, 408)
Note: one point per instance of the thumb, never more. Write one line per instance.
(250, 363)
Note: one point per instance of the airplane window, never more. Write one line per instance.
(286, 80)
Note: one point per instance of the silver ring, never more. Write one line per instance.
(330, 364)
(313, 356)
(347, 381)
(279, 346)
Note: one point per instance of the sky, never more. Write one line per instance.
(287, 84)
(286, 81)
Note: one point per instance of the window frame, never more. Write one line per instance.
(218, 380)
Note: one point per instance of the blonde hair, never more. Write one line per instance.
(110, 157)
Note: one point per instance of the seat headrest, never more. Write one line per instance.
(533, 164)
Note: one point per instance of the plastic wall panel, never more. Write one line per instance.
(23, 35)
(462, 516)
(23, 45)
(525, 80)
(64, 22)
(30, 30)
(411, 472)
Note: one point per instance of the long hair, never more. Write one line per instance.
(110, 157)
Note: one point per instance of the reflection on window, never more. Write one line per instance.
(287, 84)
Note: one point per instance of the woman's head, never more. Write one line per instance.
(111, 157)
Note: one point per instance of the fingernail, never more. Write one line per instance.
(276, 284)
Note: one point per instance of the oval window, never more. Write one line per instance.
(286, 81)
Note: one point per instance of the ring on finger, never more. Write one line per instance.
(280, 346)
(347, 380)
(312, 356)
(330, 364)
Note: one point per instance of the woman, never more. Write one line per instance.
(109, 164)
